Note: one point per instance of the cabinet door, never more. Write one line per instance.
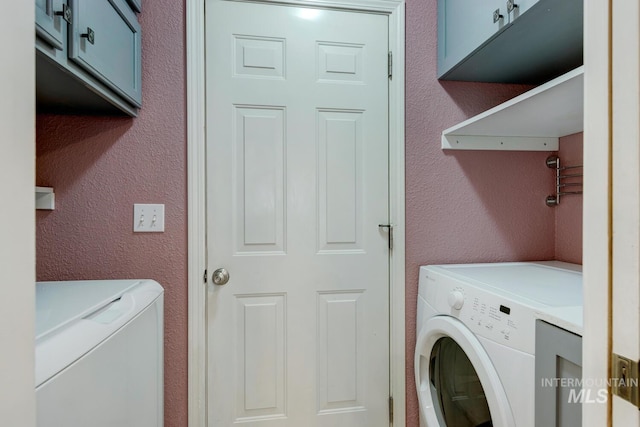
(465, 25)
(50, 26)
(105, 41)
(558, 395)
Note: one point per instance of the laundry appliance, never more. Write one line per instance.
(475, 348)
(99, 353)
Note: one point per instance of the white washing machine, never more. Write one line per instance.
(99, 353)
(474, 359)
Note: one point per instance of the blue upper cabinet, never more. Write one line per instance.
(51, 17)
(88, 57)
(105, 42)
(509, 41)
(462, 25)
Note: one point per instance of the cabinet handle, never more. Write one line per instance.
(497, 16)
(90, 35)
(65, 13)
(511, 4)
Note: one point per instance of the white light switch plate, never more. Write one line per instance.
(148, 218)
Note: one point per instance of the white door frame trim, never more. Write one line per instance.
(597, 213)
(196, 205)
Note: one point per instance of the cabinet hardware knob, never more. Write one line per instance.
(65, 13)
(497, 16)
(90, 35)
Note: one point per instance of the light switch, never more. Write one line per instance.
(148, 218)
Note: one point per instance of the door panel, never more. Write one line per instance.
(340, 180)
(258, 185)
(341, 361)
(297, 183)
(260, 333)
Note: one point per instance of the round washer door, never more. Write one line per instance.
(457, 384)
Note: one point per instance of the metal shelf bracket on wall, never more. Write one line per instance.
(566, 183)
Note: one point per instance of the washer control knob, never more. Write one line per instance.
(456, 299)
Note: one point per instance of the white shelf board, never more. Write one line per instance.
(45, 198)
(533, 121)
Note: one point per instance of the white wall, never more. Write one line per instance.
(17, 217)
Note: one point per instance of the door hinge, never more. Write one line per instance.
(390, 228)
(624, 374)
(390, 65)
(390, 409)
(206, 278)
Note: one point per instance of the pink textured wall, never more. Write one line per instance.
(100, 167)
(469, 206)
(461, 206)
(569, 212)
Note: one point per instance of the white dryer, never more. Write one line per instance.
(474, 358)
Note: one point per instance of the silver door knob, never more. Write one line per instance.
(220, 277)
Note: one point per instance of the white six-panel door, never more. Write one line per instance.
(297, 184)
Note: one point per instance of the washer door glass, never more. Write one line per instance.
(456, 388)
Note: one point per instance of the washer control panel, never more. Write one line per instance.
(485, 313)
